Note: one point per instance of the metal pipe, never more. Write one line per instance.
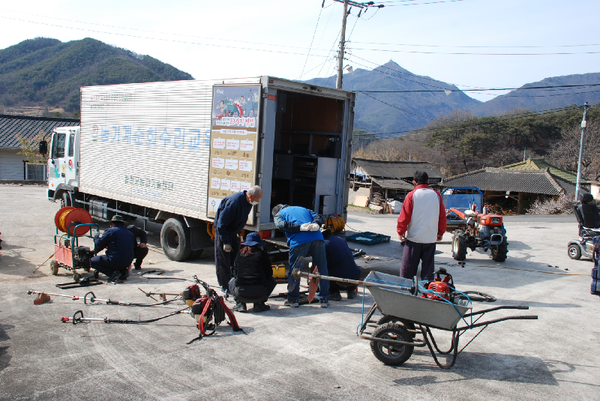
(297, 273)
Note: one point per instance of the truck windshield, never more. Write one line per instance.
(58, 146)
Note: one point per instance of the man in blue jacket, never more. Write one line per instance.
(120, 244)
(301, 227)
(230, 220)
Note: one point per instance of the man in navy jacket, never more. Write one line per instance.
(230, 220)
(120, 244)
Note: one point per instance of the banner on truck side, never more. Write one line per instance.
(233, 143)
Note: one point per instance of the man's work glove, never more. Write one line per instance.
(314, 227)
(306, 227)
(227, 247)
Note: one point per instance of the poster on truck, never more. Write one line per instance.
(233, 143)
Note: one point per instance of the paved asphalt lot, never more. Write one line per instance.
(301, 354)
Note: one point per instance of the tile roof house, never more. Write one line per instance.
(388, 179)
(523, 182)
(13, 166)
(559, 173)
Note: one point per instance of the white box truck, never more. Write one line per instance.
(170, 151)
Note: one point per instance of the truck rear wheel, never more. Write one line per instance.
(175, 239)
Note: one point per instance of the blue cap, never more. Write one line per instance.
(253, 239)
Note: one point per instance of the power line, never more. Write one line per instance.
(416, 3)
(311, 42)
(395, 134)
(166, 40)
(481, 46)
(478, 90)
(395, 107)
(481, 54)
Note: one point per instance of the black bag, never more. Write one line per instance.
(251, 293)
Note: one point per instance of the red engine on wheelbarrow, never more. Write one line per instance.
(440, 287)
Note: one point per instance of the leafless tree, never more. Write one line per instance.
(566, 152)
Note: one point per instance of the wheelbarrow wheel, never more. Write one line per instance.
(54, 267)
(406, 323)
(392, 354)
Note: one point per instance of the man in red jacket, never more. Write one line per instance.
(421, 223)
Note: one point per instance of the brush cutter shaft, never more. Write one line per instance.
(296, 273)
(73, 297)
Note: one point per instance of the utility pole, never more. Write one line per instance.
(583, 126)
(342, 52)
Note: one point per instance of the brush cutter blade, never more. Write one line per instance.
(313, 285)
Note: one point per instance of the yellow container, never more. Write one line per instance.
(278, 271)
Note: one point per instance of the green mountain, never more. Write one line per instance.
(408, 101)
(47, 72)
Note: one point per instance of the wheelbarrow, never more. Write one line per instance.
(409, 315)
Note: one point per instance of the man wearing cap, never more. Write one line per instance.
(230, 220)
(252, 275)
(421, 223)
(120, 244)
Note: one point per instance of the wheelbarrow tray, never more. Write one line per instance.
(402, 304)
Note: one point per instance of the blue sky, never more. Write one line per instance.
(469, 43)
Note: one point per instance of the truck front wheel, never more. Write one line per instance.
(65, 200)
(175, 239)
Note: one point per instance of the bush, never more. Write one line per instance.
(562, 205)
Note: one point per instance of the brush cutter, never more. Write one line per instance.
(43, 297)
(90, 298)
(79, 318)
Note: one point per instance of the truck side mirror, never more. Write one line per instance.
(43, 147)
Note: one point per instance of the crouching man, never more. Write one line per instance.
(252, 275)
(119, 243)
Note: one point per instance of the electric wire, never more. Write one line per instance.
(478, 122)
(522, 88)
(416, 3)
(162, 39)
(311, 43)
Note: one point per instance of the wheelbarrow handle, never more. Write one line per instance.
(484, 311)
(500, 319)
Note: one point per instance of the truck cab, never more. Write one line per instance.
(63, 165)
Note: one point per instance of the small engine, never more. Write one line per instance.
(441, 286)
(82, 256)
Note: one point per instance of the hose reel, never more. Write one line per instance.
(68, 217)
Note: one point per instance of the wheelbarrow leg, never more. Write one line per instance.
(368, 318)
(454, 348)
